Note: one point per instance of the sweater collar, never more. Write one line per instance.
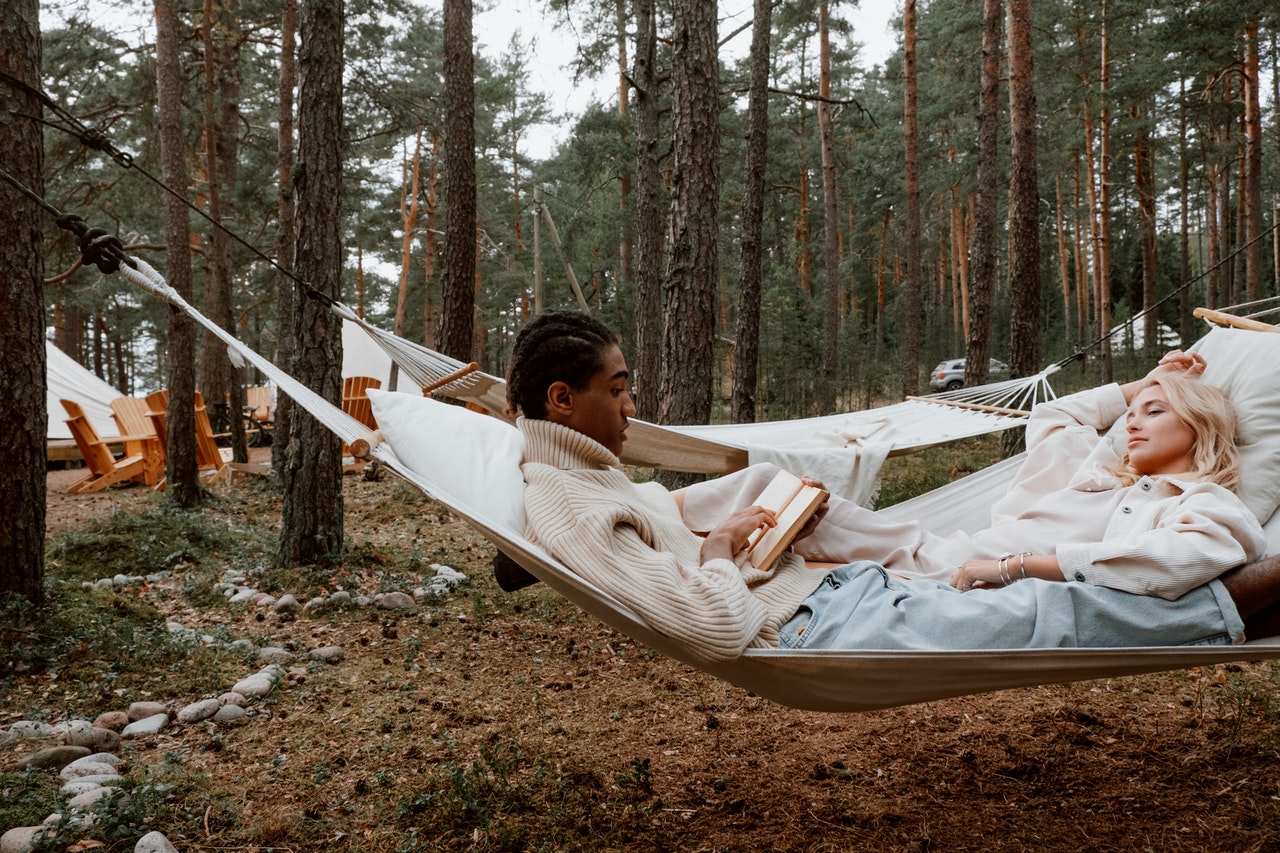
(552, 444)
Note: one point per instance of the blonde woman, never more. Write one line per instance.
(1158, 518)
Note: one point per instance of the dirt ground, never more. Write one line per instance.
(540, 728)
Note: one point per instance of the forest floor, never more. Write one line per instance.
(494, 721)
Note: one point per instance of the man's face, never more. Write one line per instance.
(601, 409)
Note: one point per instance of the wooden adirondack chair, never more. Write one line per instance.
(355, 398)
(209, 459)
(139, 436)
(355, 402)
(104, 468)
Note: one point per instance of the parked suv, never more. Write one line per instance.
(949, 374)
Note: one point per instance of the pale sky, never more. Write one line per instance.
(493, 30)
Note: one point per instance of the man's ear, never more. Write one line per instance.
(559, 400)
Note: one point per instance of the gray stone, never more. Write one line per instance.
(146, 726)
(394, 601)
(197, 711)
(97, 739)
(232, 698)
(154, 842)
(80, 769)
(31, 729)
(229, 714)
(274, 654)
(19, 839)
(104, 583)
(88, 799)
(141, 710)
(98, 758)
(242, 646)
(53, 758)
(314, 605)
(341, 598)
(328, 654)
(113, 720)
(243, 594)
(88, 783)
(120, 580)
(260, 683)
(264, 599)
(70, 727)
(286, 604)
(76, 787)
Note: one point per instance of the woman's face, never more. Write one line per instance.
(600, 410)
(1160, 442)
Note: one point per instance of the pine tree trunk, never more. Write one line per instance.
(1024, 208)
(311, 523)
(459, 276)
(180, 451)
(1252, 166)
(286, 319)
(746, 355)
(22, 348)
(1064, 260)
(689, 353)
(1103, 247)
(830, 221)
(983, 248)
(1144, 180)
(219, 379)
(911, 135)
(650, 262)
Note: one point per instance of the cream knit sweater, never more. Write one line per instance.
(628, 539)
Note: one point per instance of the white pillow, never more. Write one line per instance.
(473, 458)
(1246, 365)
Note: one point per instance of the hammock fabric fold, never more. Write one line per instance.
(903, 427)
(840, 681)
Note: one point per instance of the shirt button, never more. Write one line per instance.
(1126, 509)
(1146, 487)
(1080, 576)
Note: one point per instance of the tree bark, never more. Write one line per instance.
(1103, 247)
(181, 470)
(1024, 199)
(689, 351)
(219, 379)
(648, 201)
(457, 332)
(1144, 180)
(911, 138)
(830, 219)
(311, 523)
(982, 277)
(286, 319)
(1252, 166)
(22, 347)
(746, 354)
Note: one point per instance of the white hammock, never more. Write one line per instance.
(846, 451)
(812, 680)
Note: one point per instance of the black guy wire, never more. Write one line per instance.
(97, 140)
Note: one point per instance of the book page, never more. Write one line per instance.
(775, 496)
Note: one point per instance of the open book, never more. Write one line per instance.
(794, 503)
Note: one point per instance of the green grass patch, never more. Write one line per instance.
(161, 538)
(905, 477)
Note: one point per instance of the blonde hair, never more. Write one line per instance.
(1208, 413)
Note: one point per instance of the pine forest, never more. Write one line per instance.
(1011, 181)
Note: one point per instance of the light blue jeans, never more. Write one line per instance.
(859, 606)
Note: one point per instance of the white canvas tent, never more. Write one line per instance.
(69, 379)
(361, 355)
